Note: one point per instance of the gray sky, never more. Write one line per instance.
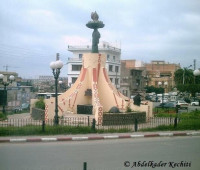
(33, 31)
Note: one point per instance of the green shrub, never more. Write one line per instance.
(165, 115)
(40, 104)
(2, 116)
(128, 109)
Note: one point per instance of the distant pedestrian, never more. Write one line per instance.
(137, 100)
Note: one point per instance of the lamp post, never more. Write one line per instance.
(160, 84)
(5, 84)
(196, 73)
(56, 66)
(166, 84)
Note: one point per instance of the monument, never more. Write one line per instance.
(93, 86)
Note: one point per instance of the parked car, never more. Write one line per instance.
(24, 106)
(167, 105)
(164, 100)
(182, 104)
(17, 109)
(195, 103)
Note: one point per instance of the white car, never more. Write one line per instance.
(182, 104)
(195, 103)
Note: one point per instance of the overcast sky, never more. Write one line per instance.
(33, 31)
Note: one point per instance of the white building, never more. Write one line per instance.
(113, 63)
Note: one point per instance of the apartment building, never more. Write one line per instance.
(113, 65)
(161, 74)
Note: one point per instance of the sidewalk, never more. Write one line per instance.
(85, 137)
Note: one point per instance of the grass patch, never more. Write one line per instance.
(186, 115)
(183, 124)
(164, 115)
(164, 110)
(123, 130)
(49, 130)
(54, 130)
(159, 128)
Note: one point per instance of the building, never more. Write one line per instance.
(16, 92)
(161, 74)
(113, 53)
(46, 83)
(132, 77)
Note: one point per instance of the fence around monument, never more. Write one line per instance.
(69, 125)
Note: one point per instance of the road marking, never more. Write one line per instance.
(137, 136)
(79, 138)
(166, 134)
(193, 133)
(48, 139)
(17, 140)
(111, 137)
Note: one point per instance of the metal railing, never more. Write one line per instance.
(71, 124)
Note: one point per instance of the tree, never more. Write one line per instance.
(150, 89)
(186, 74)
(191, 83)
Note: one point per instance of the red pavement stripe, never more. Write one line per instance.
(95, 137)
(180, 134)
(151, 135)
(4, 140)
(64, 139)
(34, 140)
(125, 136)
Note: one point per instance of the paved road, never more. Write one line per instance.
(101, 155)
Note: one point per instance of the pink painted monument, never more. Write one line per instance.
(93, 76)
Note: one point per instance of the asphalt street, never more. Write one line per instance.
(114, 154)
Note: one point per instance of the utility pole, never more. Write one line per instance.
(6, 66)
(194, 64)
(194, 69)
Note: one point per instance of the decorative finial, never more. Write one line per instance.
(94, 16)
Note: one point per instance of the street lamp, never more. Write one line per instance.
(160, 84)
(5, 84)
(166, 84)
(196, 72)
(56, 66)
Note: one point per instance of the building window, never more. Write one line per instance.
(116, 69)
(76, 67)
(125, 92)
(110, 68)
(74, 79)
(111, 79)
(117, 81)
(137, 82)
(113, 58)
(80, 56)
(108, 57)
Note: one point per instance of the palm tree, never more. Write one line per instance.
(184, 76)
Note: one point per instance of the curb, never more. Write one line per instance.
(51, 139)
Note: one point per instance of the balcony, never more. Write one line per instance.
(74, 59)
(103, 47)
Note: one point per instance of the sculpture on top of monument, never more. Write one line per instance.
(95, 24)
